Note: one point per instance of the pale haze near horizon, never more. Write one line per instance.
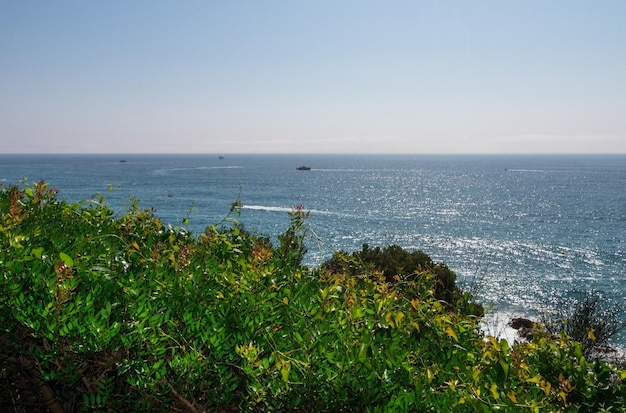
(313, 77)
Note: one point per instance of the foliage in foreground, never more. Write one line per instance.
(104, 312)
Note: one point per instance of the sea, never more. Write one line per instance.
(520, 231)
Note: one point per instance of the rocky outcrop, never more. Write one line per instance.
(523, 326)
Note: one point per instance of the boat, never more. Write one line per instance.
(303, 168)
(221, 157)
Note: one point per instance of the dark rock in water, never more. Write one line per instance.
(518, 323)
(523, 326)
(525, 333)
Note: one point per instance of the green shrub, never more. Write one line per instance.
(398, 264)
(102, 311)
(587, 318)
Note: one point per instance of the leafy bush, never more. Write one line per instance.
(397, 264)
(588, 318)
(107, 312)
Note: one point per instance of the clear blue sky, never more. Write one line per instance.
(545, 76)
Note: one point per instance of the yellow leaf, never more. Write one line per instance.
(430, 375)
(591, 334)
(284, 372)
(415, 303)
(475, 375)
(398, 317)
(286, 300)
(388, 318)
(495, 344)
(546, 386)
(563, 396)
(494, 390)
(535, 379)
(512, 397)
(136, 245)
(451, 333)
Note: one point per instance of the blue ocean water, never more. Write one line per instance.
(520, 230)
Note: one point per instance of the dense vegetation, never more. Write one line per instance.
(398, 265)
(117, 312)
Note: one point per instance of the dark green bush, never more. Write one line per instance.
(398, 264)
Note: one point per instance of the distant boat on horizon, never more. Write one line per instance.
(303, 168)
(221, 157)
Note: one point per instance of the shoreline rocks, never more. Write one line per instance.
(523, 326)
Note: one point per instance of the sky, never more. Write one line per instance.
(438, 76)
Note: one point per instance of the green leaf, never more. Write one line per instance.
(363, 352)
(38, 253)
(66, 259)
(505, 368)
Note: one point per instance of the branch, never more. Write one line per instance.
(47, 395)
(190, 406)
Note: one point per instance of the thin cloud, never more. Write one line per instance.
(550, 143)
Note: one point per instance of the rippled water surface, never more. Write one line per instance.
(523, 229)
